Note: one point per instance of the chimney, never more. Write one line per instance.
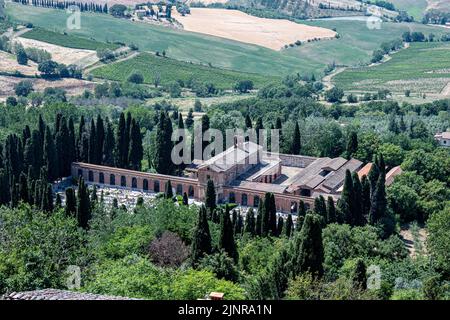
(216, 296)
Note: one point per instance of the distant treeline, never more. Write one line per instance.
(84, 6)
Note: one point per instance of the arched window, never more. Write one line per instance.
(112, 179)
(80, 173)
(191, 192)
(145, 185)
(101, 178)
(232, 197)
(134, 183)
(256, 201)
(123, 181)
(179, 189)
(90, 176)
(156, 186)
(244, 199)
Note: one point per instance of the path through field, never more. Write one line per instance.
(327, 80)
(446, 91)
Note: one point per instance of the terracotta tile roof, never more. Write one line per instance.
(365, 170)
(55, 294)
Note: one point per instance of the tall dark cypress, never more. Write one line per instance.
(79, 140)
(289, 226)
(108, 146)
(41, 127)
(71, 151)
(100, 138)
(345, 203)
(365, 195)
(83, 205)
(47, 198)
(5, 191)
(296, 140)
(352, 144)
(250, 222)
(50, 158)
(226, 240)
(280, 226)
(23, 188)
(379, 203)
(65, 156)
(259, 219)
(272, 215)
(358, 215)
(201, 244)
(248, 121)
(163, 149)
(33, 154)
(266, 209)
(93, 146)
(168, 193)
(258, 127)
(205, 127)
(320, 207)
(121, 141)
(70, 208)
(127, 137)
(331, 211)
(136, 150)
(309, 255)
(302, 208)
(210, 196)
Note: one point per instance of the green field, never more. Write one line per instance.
(355, 45)
(68, 41)
(423, 67)
(415, 8)
(357, 42)
(171, 70)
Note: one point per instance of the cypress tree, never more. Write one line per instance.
(201, 244)
(72, 150)
(93, 147)
(239, 226)
(162, 160)
(168, 193)
(71, 203)
(352, 144)
(358, 216)
(108, 146)
(58, 201)
(83, 205)
(226, 240)
(121, 140)
(182, 165)
(5, 192)
(41, 127)
(373, 175)
(278, 126)
(79, 142)
(136, 150)
(185, 199)
(210, 196)
(309, 247)
(250, 222)
(100, 139)
(26, 134)
(205, 127)
(402, 125)
(289, 226)
(248, 122)
(280, 225)
(331, 211)
(47, 198)
(259, 126)
(65, 156)
(127, 136)
(189, 119)
(50, 158)
(272, 216)
(94, 197)
(359, 277)
(299, 224)
(365, 195)
(296, 142)
(14, 193)
(266, 209)
(259, 219)
(301, 209)
(23, 188)
(379, 203)
(320, 207)
(32, 153)
(345, 203)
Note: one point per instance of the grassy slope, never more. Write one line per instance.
(415, 8)
(414, 63)
(181, 45)
(357, 42)
(69, 41)
(171, 70)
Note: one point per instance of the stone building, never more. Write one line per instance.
(242, 174)
(443, 139)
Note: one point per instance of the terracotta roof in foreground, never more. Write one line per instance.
(55, 294)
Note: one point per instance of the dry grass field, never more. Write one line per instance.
(8, 63)
(60, 54)
(239, 26)
(72, 86)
